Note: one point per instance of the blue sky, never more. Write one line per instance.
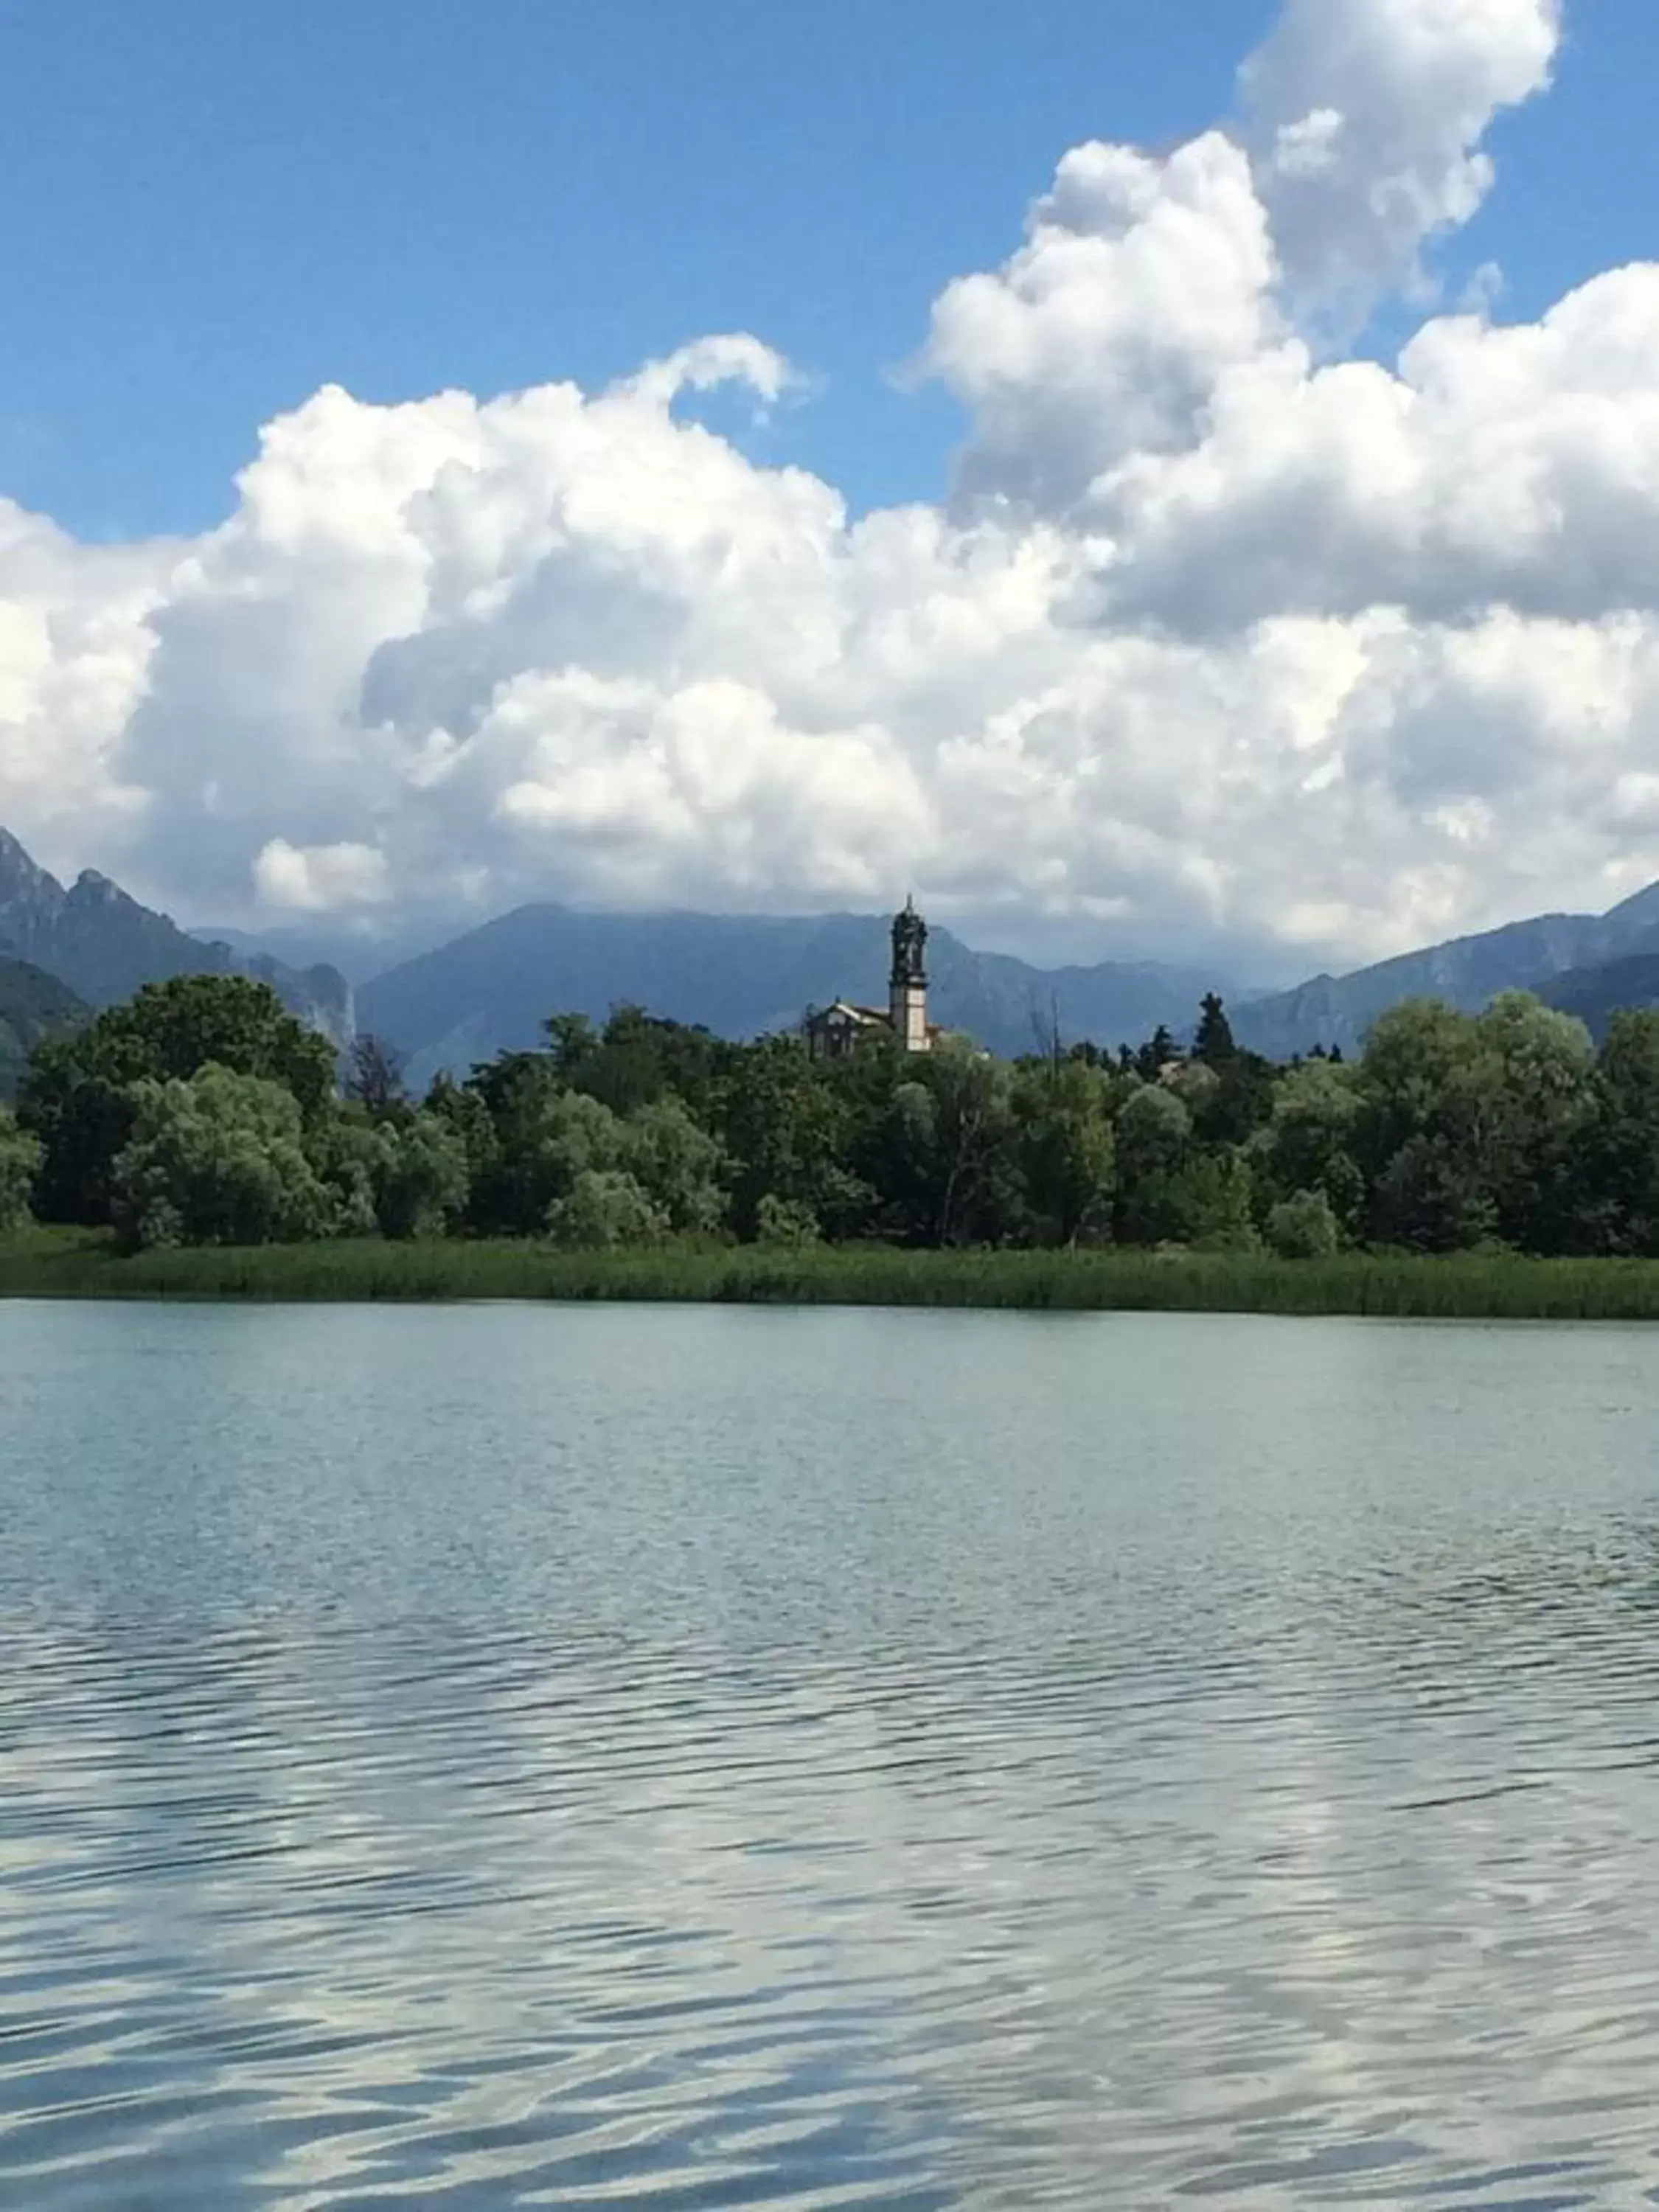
(212, 207)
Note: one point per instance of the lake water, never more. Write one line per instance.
(546, 1756)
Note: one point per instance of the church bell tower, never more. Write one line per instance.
(907, 988)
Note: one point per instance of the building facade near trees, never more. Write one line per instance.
(840, 1028)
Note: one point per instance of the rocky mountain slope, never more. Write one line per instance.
(104, 944)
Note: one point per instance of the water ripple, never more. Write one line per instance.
(1281, 1833)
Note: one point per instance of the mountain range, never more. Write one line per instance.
(494, 986)
(104, 944)
(738, 976)
(1567, 958)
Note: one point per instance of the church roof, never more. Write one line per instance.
(862, 1015)
(865, 1018)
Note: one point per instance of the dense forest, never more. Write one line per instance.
(201, 1112)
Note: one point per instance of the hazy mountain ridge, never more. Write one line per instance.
(353, 952)
(1595, 994)
(1465, 971)
(492, 987)
(104, 944)
(739, 975)
(33, 1006)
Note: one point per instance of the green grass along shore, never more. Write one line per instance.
(49, 1263)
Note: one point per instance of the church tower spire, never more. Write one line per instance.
(906, 987)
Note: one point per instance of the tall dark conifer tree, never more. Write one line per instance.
(1214, 1044)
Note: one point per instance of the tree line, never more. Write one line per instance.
(201, 1112)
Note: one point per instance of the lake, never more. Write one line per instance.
(491, 1756)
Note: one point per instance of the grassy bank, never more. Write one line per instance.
(58, 1264)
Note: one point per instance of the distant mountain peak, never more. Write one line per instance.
(493, 986)
(740, 975)
(25, 886)
(92, 889)
(1466, 972)
(104, 944)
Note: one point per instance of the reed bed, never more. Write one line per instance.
(1472, 1287)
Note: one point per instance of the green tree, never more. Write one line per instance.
(1241, 1101)
(191, 1021)
(1211, 1202)
(1306, 1144)
(1196, 1086)
(1473, 1129)
(544, 1136)
(897, 1155)
(1537, 1069)
(572, 1042)
(1426, 1088)
(1213, 1042)
(789, 1127)
(78, 1095)
(1065, 1149)
(605, 1208)
(940, 1152)
(422, 1182)
(1154, 1136)
(973, 1126)
(375, 1077)
(343, 1147)
(219, 1158)
(677, 1165)
(465, 1114)
(787, 1222)
(1304, 1227)
(19, 1164)
(1618, 1189)
(1430, 1196)
(1452, 1130)
(1160, 1051)
(637, 1058)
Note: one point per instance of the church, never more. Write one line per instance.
(841, 1027)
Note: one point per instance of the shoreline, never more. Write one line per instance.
(79, 1264)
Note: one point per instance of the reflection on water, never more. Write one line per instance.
(504, 1757)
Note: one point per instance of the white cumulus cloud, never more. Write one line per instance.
(1138, 283)
(1367, 122)
(1222, 639)
(319, 878)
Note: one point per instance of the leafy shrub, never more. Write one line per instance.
(604, 1210)
(19, 1163)
(423, 1180)
(219, 1159)
(79, 1094)
(677, 1165)
(787, 1222)
(343, 1146)
(1303, 1227)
